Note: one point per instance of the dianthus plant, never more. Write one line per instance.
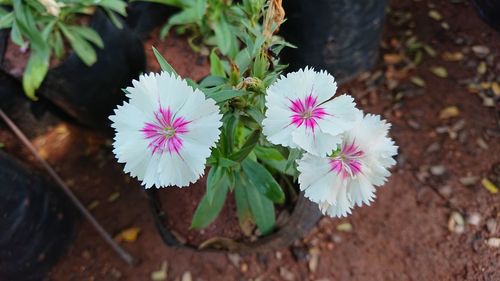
(255, 131)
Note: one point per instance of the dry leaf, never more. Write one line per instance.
(93, 205)
(128, 235)
(347, 227)
(491, 187)
(392, 58)
(161, 274)
(435, 15)
(452, 56)
(495, 87)
(417, 81)
(430, 51)
(113, 197)
(481, 68)
(449, 112)
(445, 25)
(439, 71)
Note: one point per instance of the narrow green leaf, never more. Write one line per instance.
(82, 48)
(212, 81)
(216, 67)
(165, 66)
(206, 213)
(247, 147)
(118, 6)
(223, 35)
(263, 180)
(36, 69)
(262, 208)
(214, 179)
(89, 34)
(7, 20)
(245, 217)
(224, 95)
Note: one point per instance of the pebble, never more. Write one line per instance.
(494, 242)
(474, 218)
(438, 170)
(456, 223)
(234, 259)
(286, 274)
(482, 144)
(314, 259)
(480, 51)
(186, 276)
(491, 225)
(445, 191)
(413, 124)
(468, 181)
(459, 125)
(433, 147)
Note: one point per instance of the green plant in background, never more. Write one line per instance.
(46, 26)
(218, 23)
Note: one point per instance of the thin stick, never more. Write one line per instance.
(121, 252)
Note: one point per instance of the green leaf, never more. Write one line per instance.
(114, 19)
(214, 179)
(263, 180)
(274, 159)
(36, 69)
(247, 147)
(223, 35)
(230, 126)
(256, 114)
(216, 67)
(165, 66)
(58, 44)
(262, 208)
(224, 95)
(292, 158)
(118, 6)
(245, 217)
(7, 20)
(207, 212)
(89, 34)
(82, 48)
(15, 35)
(212, 81)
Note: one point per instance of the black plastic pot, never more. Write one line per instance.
(303, 218)
(89, 94)
(341, 36)
(35, 222)
(489, 11)
(143, 17)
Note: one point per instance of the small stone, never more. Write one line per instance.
(418, 81)
(445, 25)
(491, 225)
(286, 274)
(279, 255)
(493, 242)
(438, 170)
(452, 56)
(480, 51)
(234, 259)
(445, 191)
(474, 218)
(456, 223)
(468, 181)
(186, 276)
(314, 259)
(244, 267)
(482, 144)
(115, 273)
(413, 124)
(433, 147)
(459, 125)
(113, 197)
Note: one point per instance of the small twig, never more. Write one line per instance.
(121, 252)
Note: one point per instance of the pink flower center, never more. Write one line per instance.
(165, 131)
(306, 112)
(347, 163)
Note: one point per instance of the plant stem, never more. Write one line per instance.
(105, 235)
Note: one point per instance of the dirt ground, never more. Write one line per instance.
(433, 220)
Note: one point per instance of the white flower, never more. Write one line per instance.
(349, 176)
(165, 131)
(300, 113)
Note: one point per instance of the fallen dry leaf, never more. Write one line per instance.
(347, 227)
(495, 87)
(452, 56)
(128, 235)
(392, 58)
(491, 187)
(417, 81)
(481, 68)
(449, 112)
(439, 71)
(435, 15)
(160, 274)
